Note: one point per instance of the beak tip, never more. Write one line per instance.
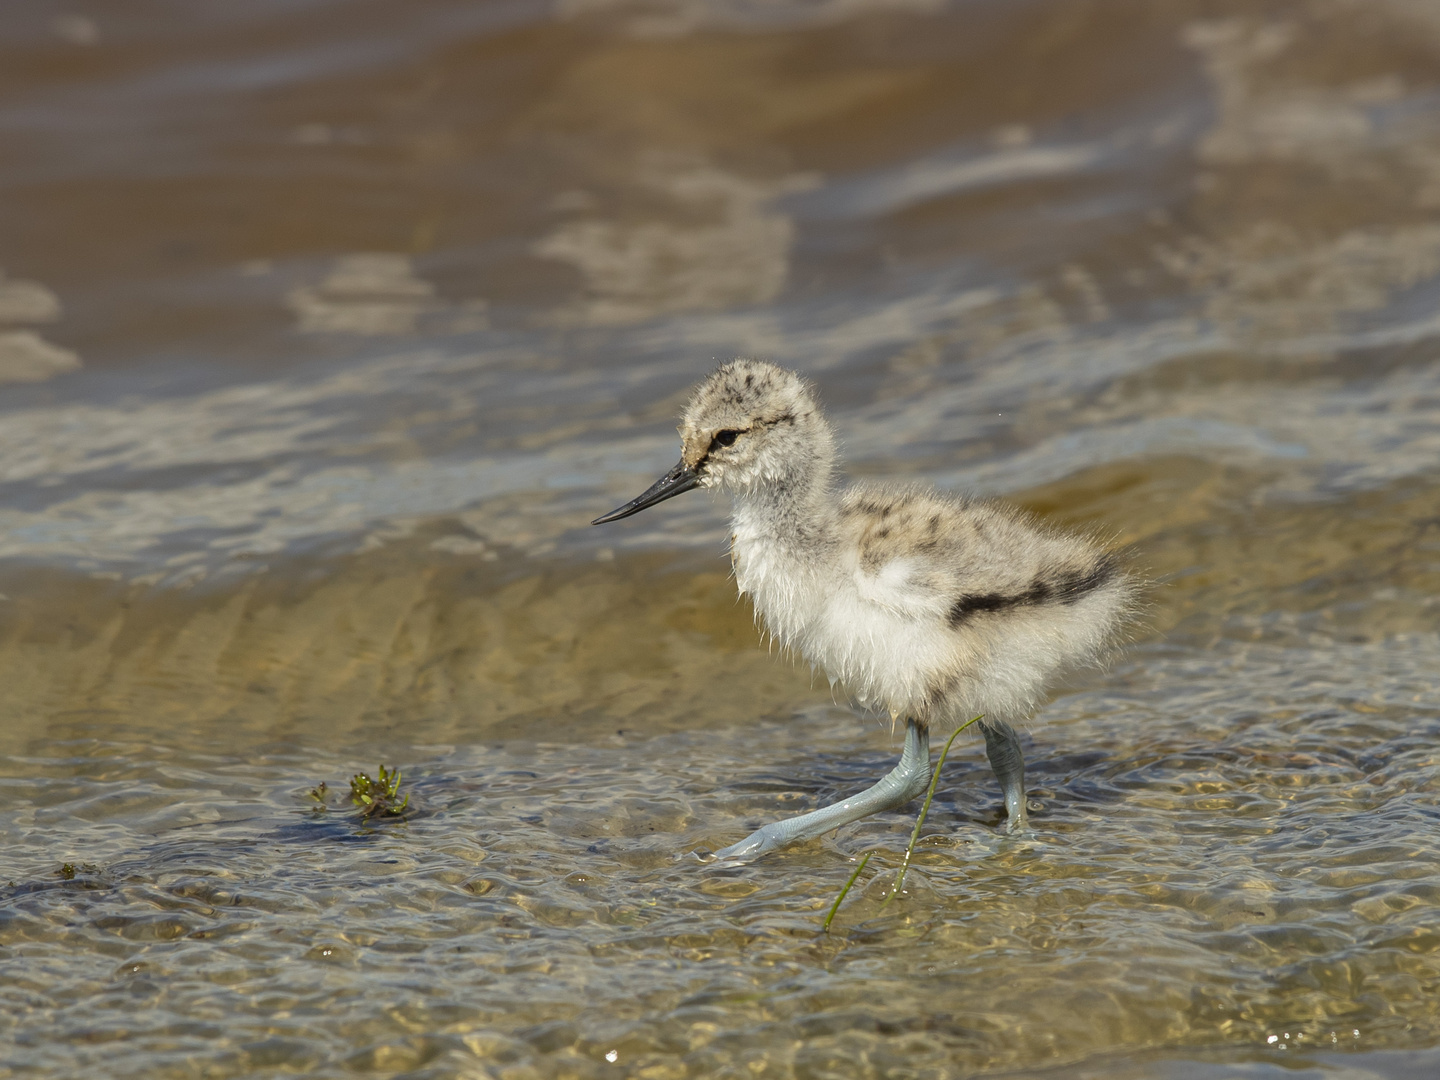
(680, 478)
(616, 514)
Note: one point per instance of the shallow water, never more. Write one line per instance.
(327, 327)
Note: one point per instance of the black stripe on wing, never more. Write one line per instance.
(1064, 587)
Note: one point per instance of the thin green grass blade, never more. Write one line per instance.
(925, 809)
(825, 927)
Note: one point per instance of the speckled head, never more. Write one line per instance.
(750, 426)
(751, 423)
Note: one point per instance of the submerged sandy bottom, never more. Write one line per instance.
(1234, 859)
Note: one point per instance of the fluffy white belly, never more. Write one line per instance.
(887, 660)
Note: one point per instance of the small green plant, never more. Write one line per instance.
(825, 926)
(378, 798)
(68, 870)
(924, 809)
(914, 836)
(318, 793)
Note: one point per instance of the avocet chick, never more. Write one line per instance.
(931, 607)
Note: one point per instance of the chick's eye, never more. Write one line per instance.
(726, 438)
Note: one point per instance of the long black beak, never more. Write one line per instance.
(679, 479)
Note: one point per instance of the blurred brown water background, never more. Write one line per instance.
(326, 326)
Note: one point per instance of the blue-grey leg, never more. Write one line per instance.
(1002, 747)
(901, 784)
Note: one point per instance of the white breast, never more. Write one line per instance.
(879, 635)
